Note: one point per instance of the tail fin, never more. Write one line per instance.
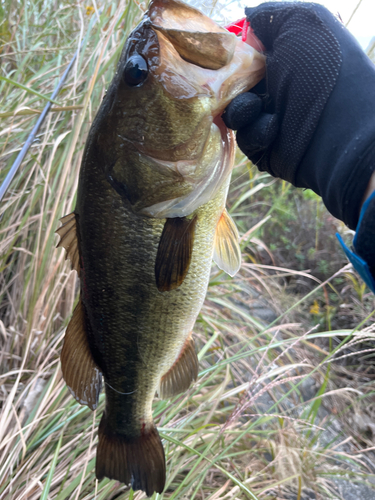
(139, 461)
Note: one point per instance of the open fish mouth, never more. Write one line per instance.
(197, 38)
(180, 71)
(218, 63)
(207, 185)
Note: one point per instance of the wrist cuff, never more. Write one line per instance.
(363, 243)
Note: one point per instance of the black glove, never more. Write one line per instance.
(312, 121)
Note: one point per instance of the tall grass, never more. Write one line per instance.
(246, 429)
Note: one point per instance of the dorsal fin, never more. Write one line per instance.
(182, 373)
(80, 371)
(174, 252)
(68, 239)
(227, 251)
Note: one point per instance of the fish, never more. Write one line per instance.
(149, 218)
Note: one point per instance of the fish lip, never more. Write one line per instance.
(226, 133)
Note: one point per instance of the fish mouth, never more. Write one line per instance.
(205, 188)
(196, 37)
(227, 135)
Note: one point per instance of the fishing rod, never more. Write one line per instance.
(21, 155)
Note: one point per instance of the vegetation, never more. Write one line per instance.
(284, 399)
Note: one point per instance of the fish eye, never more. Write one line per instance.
(136, 70)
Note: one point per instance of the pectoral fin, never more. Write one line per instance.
(182, 373)
(174, 253)
(227, 252)
(80, 371)
(68, 239)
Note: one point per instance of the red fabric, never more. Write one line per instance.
(243, 28)
(237, 26)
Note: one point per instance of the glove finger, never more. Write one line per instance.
(267, 20)
(259, 135)
(242, 111)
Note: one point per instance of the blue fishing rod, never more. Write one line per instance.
(21, 155)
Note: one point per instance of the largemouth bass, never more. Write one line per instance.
(150, 216)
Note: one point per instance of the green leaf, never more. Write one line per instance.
(47, 486)
(31, 91)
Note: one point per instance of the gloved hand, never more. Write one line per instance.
(312, 121)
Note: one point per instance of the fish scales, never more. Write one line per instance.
(149, 218)
(128, 302)
(128, 314)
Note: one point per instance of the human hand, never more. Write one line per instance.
(311, 121)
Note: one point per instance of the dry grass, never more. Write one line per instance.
(245, 430)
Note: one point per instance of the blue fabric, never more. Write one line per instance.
(359, 264)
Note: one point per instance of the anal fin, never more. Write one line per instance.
(68, 239)
(227, 251)
(80, 371)
(174, 253)
(182, 373)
